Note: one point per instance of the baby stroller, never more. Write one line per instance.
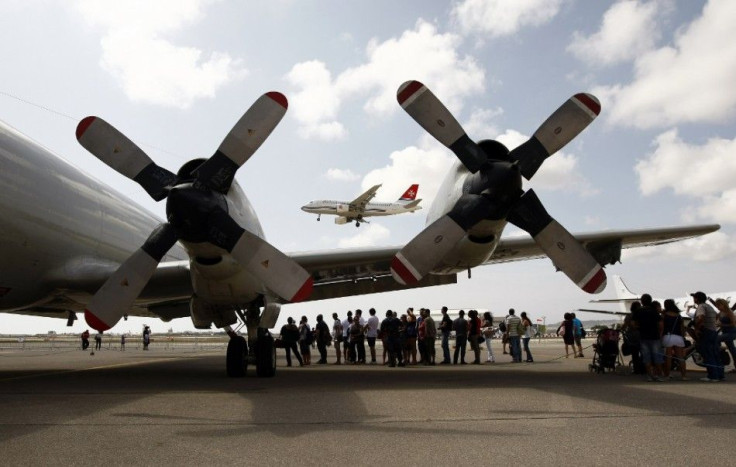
(605, 351)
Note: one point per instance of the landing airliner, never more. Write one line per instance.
(71, 244)
(361, 207)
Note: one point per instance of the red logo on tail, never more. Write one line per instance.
(410, 194)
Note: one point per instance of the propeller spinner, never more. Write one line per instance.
(196, 209)
(494, 190)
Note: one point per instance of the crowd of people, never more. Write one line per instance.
(408, 339)
(655, 335)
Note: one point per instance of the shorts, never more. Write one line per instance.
(371, 342)
(578, 342)
(651, 352)
(673, 340)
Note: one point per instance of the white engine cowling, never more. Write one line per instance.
(341, 220)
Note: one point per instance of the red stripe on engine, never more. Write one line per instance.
(94, 321)
(595, 282)
(304, 292)
(279, 98)
(398, 267)
(589, 102)
(83, 125)
(408, 91)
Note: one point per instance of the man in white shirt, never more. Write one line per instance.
(345, 329)
(371, 333)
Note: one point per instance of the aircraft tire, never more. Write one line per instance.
(236, 361)
(265, 357)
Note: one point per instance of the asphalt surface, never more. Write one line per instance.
(179, 408)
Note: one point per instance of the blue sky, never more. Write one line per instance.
(176, 75)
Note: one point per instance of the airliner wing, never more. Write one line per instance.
(604, 246)
(360, 202)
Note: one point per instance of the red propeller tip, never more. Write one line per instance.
(279, 98)
(597, 283)
(408, 90)
(83, 125)
(304, 292)
(589, 101)
(94, 321)
(400, 269)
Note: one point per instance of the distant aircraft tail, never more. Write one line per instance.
(409, 195)
(622, 291)
(624, 296)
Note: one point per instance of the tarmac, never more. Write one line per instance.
(174, 407)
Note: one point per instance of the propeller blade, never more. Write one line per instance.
(429, 112)
(114, 149)
(278, 272)
(242, 141)
(425, 251)
(560, 128)
(566, 253)
(118, 293)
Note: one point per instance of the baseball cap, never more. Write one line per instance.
(699, 295)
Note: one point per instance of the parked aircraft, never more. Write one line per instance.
(361, 207)
(625, 297)
(72, 244)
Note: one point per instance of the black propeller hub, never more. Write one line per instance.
(188, 209)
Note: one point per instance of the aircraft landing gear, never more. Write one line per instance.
(318, 216)
(237, 357)
(357, 224)
(265, 354)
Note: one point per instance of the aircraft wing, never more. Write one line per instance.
(605, 312)
(360, 271)
(342, 272)
(604, 246)
(360, 202)
(166, 296)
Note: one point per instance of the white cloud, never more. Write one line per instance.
(688, 169)
(341, 175)
(706, 173)
(497, 18)
(690, 81)
(711, 247)
(628, 29)
(421, 53)
(369, 235)
(426, 165)
(559, 172)
(150, 68)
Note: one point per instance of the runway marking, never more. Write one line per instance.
(103, 367)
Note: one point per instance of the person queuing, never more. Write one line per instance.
(305, 340)
(488, 331)
(289, 337)
(707, 336)
(526, 324)
(460, 326)
(445, 329)
(513, 328)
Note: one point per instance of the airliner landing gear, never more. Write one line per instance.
(357, 224)
(318, 216)
(237, 357)
(265, 354)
